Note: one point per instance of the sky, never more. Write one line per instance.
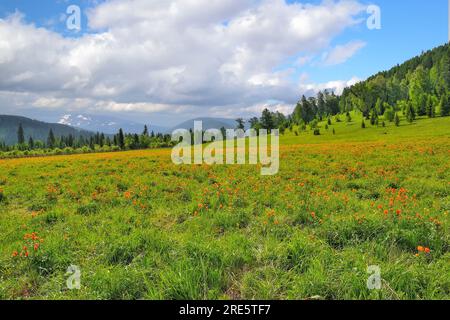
(167, 61)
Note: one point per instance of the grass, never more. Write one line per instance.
(140, 227)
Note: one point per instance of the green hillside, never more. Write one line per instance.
(38, 130)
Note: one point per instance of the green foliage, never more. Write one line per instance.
(444, 105)
(421, 81)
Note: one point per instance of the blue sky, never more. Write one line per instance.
(408, 27)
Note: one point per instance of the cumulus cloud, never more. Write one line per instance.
(172, 56)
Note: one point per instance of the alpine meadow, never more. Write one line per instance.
(358, 209)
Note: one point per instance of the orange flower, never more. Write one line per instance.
(15, 254)
(420, 249)
(427, 250)
(127, 195)
(386, 212)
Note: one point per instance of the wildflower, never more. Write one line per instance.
(127, 195)
(420, 249)
(427, 250)
(15, 254)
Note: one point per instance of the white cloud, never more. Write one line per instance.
(336, 86)
(171, 56)
(342, 53)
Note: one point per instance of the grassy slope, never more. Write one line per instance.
(140, 227)
(347, 132)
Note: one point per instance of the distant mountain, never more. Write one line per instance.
(38, 130)
(208, 123)
(106, 124)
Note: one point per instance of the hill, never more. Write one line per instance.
(38, 130)
(416, 88)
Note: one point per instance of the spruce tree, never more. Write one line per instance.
(121, 139)
(445, 105)
(20, 135)
(430, 111)
(51, 139)
(30, 143)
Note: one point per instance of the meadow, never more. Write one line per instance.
(140, 227)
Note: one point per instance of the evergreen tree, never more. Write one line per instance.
(30, 143)
(410, 113)
(145, 133)
(445, 105)
(51, 141)
(20, 135)
(121, 139)
(430, 107)
(363, 124)
(373, 117)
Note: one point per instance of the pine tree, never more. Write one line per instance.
(51, 139)
(121, 139)
(430, 111)
(145, 133)
(373, 117)
(30, 143)
(445, 105)
(20, 135)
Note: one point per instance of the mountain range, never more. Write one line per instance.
(38, 130)
(107, 124)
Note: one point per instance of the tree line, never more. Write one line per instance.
(82, 144)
